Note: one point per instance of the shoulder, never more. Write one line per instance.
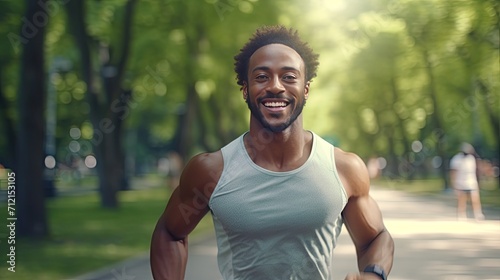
(455, 161)
(353, 173)
(206, 160)
(457, 156)
(202, 173)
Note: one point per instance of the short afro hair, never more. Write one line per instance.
(278, 34)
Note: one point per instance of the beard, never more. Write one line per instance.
(254, 109)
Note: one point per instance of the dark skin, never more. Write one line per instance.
(276, 141)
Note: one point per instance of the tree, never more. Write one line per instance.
(32, 220)
(107, 102)
(442, 82)
(9, 74)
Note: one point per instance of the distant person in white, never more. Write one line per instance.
(463, 177)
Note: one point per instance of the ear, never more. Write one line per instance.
(306, 90)
(245, 90)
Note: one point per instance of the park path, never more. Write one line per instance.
(430, 244)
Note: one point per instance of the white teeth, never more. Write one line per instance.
(275, 104)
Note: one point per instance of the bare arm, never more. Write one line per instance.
(363, 219)
(374, 244)
(453, 178)
(168, 255)
(186, 207)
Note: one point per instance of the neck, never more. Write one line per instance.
(278, 151)
(261, 136)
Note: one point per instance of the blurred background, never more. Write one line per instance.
(103, 101)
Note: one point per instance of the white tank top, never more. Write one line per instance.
(465, 166)
(277, 225)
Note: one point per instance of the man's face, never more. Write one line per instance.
(276, 91)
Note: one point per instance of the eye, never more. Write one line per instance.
(289, 77)
(261, 78)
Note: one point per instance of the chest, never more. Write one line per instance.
(255, 204)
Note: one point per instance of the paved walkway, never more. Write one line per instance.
(430, 244)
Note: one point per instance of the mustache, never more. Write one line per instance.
(270, 95)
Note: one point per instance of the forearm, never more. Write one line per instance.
(168, 256)
(379, 252)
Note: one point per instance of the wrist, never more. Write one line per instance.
(376, 270)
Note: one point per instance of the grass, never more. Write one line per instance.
(489, 189)
(85, 237)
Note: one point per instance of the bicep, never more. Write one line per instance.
(182, 215)
(188, 203)
(363, 220)
(361, 215)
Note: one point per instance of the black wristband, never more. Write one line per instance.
(376, 269)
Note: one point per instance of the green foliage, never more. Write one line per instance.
(374, 71)
(372, 92)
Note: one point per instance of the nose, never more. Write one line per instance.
(275, 86)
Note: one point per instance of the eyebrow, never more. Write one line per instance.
(265, 68)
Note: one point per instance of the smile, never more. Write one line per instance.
(279, 104)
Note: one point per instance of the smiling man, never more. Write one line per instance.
(280, 67)
(278, 194)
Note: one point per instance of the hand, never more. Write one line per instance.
(362, 276)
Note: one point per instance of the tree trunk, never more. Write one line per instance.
(438, 127)
(9, 131)
(184, 136)
(107, 113)
(109, 182)
(32, 218)
(409, 170)
(393, 163)
(490, 102)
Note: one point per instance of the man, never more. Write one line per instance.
(463, 175)
(278, 194)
